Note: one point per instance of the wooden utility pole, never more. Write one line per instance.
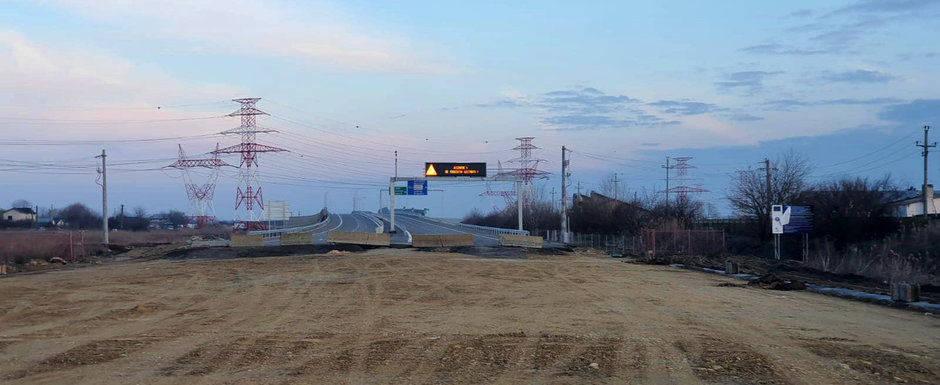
(926, 145)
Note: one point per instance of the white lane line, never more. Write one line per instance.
(340, 216)
(458, 231)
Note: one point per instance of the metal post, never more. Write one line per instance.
(104, 197)
(565, 236)
(667, 186)
(391, 203)
(805, 247)
(777, 246)
(519, 201)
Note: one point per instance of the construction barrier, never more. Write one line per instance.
(371, 239)
(242, 240)
(520, 241)
(441, 240)
(288, 239)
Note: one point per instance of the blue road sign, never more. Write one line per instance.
(801, 220)
(417, 187)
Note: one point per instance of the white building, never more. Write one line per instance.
(19, 214)
(913, 206)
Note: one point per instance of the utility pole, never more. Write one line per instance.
(396, 163)
(770, 198)
(104, 197)
(122, 216)
(564, 194)
(553, 198)
(667, 167)
(616, 187)
(926, 149)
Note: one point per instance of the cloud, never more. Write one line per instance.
(595, 122)
(308, 31)
(743, 117)
(750, 81)
(788, 104)
(857, 76)
(686, 107)
(920, 111)
(801, 13)
(585, 100)
(779, 49)
(47, 75)
(842, 37)
(838, 31)
(883, 6)
(583, 108)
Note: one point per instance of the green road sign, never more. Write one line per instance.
(403, 190)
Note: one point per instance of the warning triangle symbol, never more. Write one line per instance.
(431, 171)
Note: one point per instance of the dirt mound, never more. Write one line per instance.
(773, 282)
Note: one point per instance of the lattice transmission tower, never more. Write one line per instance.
(248, 193)
(682, 176)
(201, 210)
(527, 171)
(509, 196)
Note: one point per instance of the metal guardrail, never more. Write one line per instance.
(289, 230)
(494, 230)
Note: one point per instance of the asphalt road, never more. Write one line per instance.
(357, 222)
(421, 225)
(406, 225)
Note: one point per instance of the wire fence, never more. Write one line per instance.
(649, 242)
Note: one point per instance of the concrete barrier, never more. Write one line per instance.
(355, 238)
(520, 241)
(905, 292)
(242, 240)
(441, 240)
(296, 239)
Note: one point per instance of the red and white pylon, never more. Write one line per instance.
(201, 211)
(248, 194)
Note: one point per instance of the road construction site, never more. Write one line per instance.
(390, 315)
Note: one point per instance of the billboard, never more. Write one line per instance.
(276, 211)
(451, 169)
(791, 219)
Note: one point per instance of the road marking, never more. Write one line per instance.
(458, 231)
(340, 216)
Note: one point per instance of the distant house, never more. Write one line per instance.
(17, 214)
(51, 222)
(911, 203)
(605, 201)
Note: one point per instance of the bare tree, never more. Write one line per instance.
(854, 209)
(751, 196)
(21, 204)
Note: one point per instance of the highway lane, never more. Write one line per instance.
(406, 224)
(420, 225)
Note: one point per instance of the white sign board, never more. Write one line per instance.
(276, 211)
(779, 217)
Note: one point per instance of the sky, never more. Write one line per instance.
(848, 85)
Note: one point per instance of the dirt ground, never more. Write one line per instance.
(404, 316)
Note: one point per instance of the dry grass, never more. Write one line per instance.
(910, 256)
(20, 246)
